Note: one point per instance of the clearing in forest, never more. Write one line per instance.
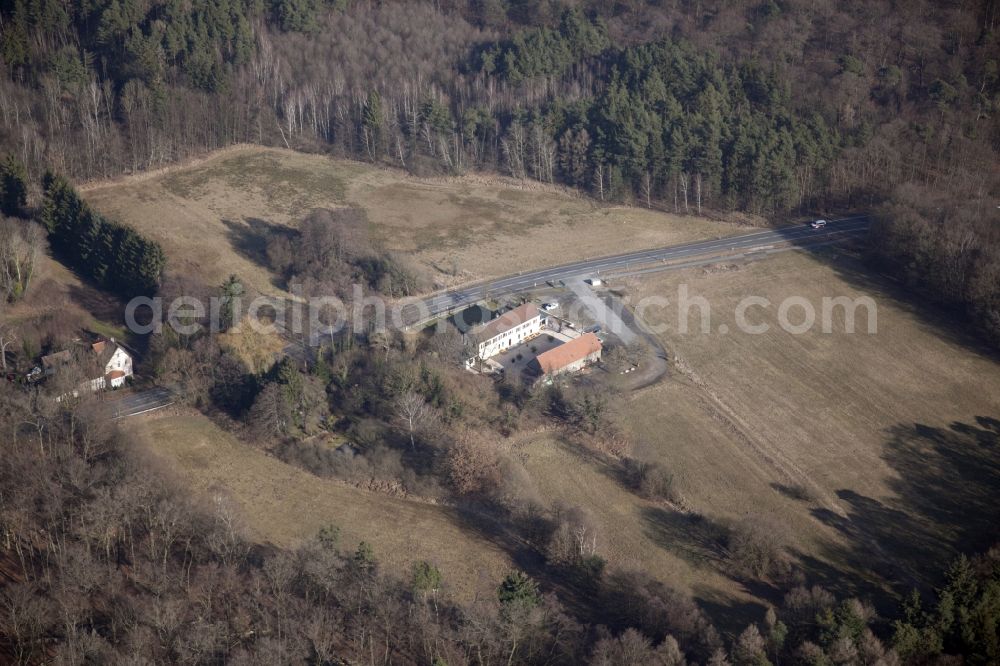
(213, 216)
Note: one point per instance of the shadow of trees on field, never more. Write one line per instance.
(102, 305)
(729, 615)
(795, 492)
(946, 502)
(250, 237)
(852, 262)
(697, 540)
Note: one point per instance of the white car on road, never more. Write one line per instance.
(818, 224)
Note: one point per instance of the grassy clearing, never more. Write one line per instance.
(633, 533)
(211, 216)
(284, 505)
(852, 421)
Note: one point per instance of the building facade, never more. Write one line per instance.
(104, 356)
(508, 330)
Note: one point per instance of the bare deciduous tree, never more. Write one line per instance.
(756, 547)
(473, 463)
(413, 414)
(8, 337)
(20, 245)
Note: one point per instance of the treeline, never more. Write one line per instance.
(115, 256)
(947, 250)
(962, 618)
(768, 108)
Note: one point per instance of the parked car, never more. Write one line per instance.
(549, 307)
(818, 224)
(594, 282)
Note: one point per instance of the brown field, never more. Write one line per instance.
(210, 216)
(887, 435)
(634, 533)
(285, 505)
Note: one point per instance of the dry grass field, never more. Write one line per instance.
(633, 533)
(285, 505)
(210, 216)
(878, 451)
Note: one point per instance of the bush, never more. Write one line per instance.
(650, 480)
(756, 548)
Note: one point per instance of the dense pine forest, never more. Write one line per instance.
(775, 108)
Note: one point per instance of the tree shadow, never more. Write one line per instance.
(250, 238)
(796, 492)
(945, 502)
(731, 616)
(851, 263)
(102, 305)
(697, 540)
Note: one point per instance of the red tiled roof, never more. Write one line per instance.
(506, 321)
(98, 346)
(559, 357)
(116, 374)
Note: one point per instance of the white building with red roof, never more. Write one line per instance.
(508, 330)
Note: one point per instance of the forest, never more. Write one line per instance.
(770, 108)
(773, 108)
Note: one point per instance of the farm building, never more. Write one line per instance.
(509, 329)
(571, 356)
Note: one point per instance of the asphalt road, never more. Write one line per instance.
(800, 235)
(141, 402)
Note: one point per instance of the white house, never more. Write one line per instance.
(117, 365)
(114, 363)
(508, 330)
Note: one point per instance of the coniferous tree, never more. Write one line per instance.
(13, 187)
